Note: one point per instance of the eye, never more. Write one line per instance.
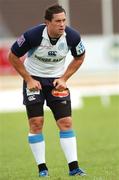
(58, 21)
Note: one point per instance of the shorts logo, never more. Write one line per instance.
(60, 93)
(31, 98)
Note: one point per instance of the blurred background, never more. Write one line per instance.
(98, 23)
(94, 91)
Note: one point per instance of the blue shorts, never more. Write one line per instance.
(34, 101)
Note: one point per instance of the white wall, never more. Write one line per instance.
(99, 52)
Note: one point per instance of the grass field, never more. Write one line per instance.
(97, 130)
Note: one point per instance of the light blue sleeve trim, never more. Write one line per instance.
(31, 51)
(67, 134)
(35, 139)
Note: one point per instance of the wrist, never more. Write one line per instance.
(28, 78)
(64, 78)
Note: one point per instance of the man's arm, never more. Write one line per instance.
(20, 68)
(71, 69)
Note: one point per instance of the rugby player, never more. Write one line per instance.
(45, 79)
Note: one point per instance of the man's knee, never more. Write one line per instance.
(65, 123)
(36, 124)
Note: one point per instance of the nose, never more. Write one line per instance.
(62, 23)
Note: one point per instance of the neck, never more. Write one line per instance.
(52, 35)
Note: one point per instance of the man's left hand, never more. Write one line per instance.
(59, 84)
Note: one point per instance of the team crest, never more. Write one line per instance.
(61, 46)
(60, 93)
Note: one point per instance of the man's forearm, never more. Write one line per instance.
(19, 66)
(72, 68)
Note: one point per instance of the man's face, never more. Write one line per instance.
(56, 26)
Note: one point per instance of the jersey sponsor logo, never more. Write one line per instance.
(52, 53)
(21, 40)
(60, 93)
(80, 48)
(48, 59)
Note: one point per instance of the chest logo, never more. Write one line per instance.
(52, 53)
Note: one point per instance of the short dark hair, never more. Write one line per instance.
(54, 9)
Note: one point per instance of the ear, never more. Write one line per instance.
(47, 22)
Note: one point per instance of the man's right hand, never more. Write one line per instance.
(33, 85)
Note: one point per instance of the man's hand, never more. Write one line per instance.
(33, 85)
(59, 84)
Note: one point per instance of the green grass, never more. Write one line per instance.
(97, 130)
